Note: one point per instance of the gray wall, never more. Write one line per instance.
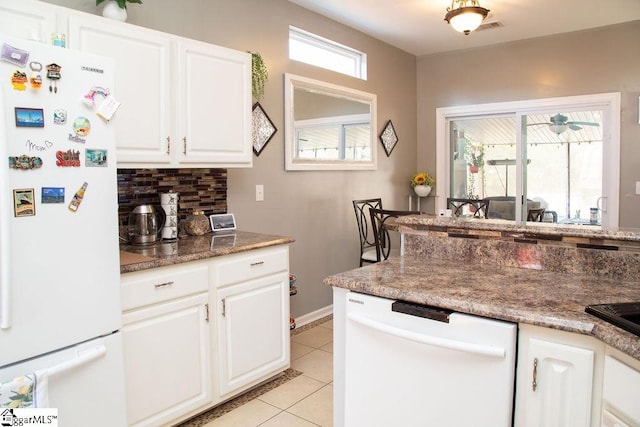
(594, 61)
(313, 207)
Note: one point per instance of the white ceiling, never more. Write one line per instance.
(418, 26)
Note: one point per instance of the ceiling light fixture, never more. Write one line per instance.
(467, 16)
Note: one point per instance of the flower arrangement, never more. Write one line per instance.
(422, 178)
(121, 3)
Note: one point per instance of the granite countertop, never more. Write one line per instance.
(193, 248)
(543, 298)
(538, 228)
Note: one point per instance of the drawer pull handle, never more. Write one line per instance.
(534, 384)
(162, 285)
(253, 264)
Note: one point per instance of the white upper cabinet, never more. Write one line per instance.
(143, 85)
(213, 119)
(185, 103)
(28, 20)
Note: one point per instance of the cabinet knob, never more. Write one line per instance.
(184, 149)
(168, 145)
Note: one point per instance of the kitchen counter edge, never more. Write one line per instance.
(195, 248)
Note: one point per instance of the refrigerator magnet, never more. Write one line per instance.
(36, 78)
(77, 198)
(69, 158)
(24, 162)
(19, 80)
(53, 74)
(81, 127)
(24, 202)
(29, 117)
(52, 195)
(14, 55)
(95, 92)
(95, 158)
(60, 116)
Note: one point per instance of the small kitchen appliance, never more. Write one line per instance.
(145, 224)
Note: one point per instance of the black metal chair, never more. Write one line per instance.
(535, 215)
(365, 230)
(478, 207)
(379, 218)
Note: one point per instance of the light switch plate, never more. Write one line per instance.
(259, 192)
(637, 187)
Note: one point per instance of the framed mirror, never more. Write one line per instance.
(328, 127)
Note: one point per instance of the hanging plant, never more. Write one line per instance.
(121, 3)
(259, 75)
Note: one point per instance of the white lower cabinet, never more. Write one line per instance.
(198, 333)
(620, 390)
(252, 305)
(558, 379)
(252, 343)
(166, 343)
(167, 360)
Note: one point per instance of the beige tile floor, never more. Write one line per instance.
(306, 400)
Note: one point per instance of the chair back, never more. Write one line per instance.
(535, 215)
(479, 207)
(365, 230)
(379, 219)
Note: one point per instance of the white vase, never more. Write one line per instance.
(422, 190)
(111, 10)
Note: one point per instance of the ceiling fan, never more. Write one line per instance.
(558, 124)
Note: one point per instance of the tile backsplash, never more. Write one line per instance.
(204, 189)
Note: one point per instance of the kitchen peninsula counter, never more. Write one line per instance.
(543, 298)
(192, 248)
(534, 273)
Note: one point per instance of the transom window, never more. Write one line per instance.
(321, 52)
(559, 155)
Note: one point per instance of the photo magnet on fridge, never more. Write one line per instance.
(24, 203)
(29, 117)
(52, 195)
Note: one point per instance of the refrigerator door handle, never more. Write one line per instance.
(83, 358)
(5, 240)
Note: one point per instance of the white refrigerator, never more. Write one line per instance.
(59, 259)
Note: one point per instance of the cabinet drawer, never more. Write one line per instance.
(250, 265)
(162, 284)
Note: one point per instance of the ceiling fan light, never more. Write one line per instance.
(465, 19)
(558, 129)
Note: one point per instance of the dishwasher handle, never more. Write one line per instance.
(466, 347)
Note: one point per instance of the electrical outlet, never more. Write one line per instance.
(259, 192)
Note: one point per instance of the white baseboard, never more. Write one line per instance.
(314, 315)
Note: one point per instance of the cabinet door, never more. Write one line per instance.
(214, 108)
(253, 331)
(28, 20)
(142, 61)
(167, 360)
(555, 385)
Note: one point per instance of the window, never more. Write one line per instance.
(559, 154)
(320, 52)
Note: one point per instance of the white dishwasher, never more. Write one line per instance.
(411, 365)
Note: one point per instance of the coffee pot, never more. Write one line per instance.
(145, 224)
